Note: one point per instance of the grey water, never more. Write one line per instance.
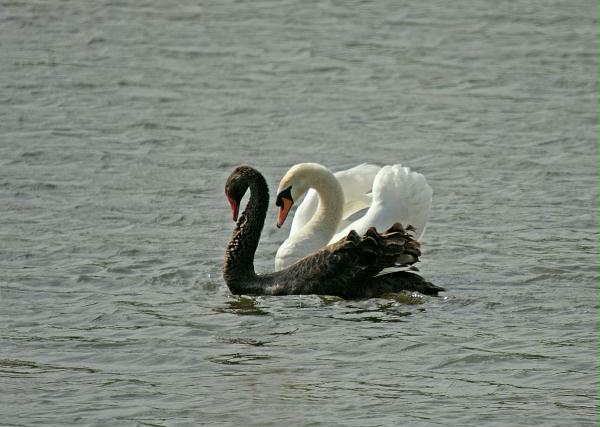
(120, 122)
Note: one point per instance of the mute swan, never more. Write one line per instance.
(399, 195)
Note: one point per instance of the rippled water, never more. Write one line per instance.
(119, 123)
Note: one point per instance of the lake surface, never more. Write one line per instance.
(119, 124)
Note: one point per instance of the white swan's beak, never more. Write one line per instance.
(284, 209)
(285, 201)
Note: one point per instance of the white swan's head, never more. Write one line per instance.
(295, 183)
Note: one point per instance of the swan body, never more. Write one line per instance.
(398, 195)
(350, 268)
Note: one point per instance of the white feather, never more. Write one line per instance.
(399, 195)
(356, 182)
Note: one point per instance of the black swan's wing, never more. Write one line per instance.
(348, 267)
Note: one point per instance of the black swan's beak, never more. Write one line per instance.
(234, 208)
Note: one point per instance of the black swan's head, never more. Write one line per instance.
(236, 186)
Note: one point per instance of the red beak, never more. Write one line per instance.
(234, 207)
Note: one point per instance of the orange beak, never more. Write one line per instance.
(284, 209)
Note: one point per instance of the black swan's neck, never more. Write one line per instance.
(238, 269)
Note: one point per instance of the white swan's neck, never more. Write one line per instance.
(331, 204)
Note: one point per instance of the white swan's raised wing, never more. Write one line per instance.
(399, 195)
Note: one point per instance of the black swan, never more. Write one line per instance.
(348, 268)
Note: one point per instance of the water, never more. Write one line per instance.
(120, 122)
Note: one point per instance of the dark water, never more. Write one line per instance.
(119, 123)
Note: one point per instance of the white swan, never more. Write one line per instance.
(398, 195)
